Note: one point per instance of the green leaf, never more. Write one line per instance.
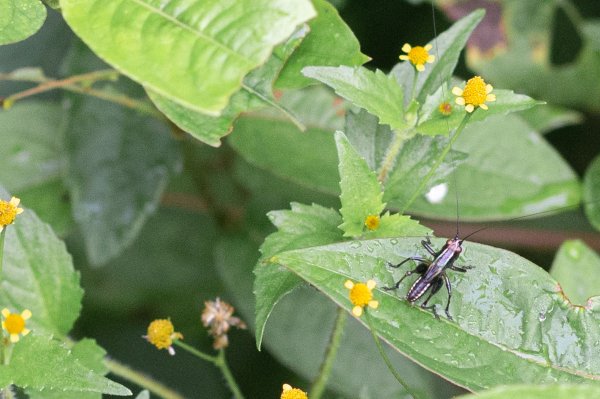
(205, 48)
(143, 395)
(119, 162)
(38, 275)
(577, 269)
(303, 226)
(591, 192)
(550, 391)
(446, 48)
(20, 19)
(361, 192)
(41, 363)
(329, 43)
(550, 117)
(508, 312)
(376, 92)
(51, 203)
(368, 137)
(511, 171)
(591, 31)
(432, 122)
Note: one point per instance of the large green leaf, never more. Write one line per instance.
(591, 192)
(550, 391)
(577, 269)
(511, 171)
(20, 19)
(376, 92)
(550, 117)
(204, 49)
(38, 275)
(446, 48)
(508, 312)
(119, 162)
(43, 364)
(330, 42)
(368, 137)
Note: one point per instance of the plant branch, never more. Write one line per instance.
(233, 386)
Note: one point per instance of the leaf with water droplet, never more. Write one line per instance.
(577, 269)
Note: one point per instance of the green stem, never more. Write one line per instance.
(222, 364)
(392, 153)
(386, 359)
(334, 344)
(438, 162)
(140, 379)
(195, 352)
(414, 86)
(277, 106)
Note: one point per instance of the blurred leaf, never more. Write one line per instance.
(446, 48)
(38, 275)
(591, 30)
(550, 391)
(205, 49)
(577, 269)
(376, 92)
(119, 162)
(143, 395)
(432, 122)
(507, 310)
(511, 171)
(50, 201)
(53, 3)
(20, 19)
(330, 42)
(591, 192)
(303, 226)
(40, 363)
(547, 118)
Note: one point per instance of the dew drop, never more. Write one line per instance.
(394, 241)
(355, 244)
(542, 316)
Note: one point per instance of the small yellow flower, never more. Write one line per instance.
(292, 393)
(14, 323)
(9, 211)
(361, 295)
(417, 55)
(372, 222)
(475, 94)
(161, 334)
(445, 108)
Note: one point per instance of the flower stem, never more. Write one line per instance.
(334, 343)
(140, 379)
(414, 86)
(386, 359)
(392, 153)
(195, 352)
(438, 162)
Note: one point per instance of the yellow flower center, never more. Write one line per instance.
(8, 213)
(161, 333)
(474, 92)
(445, 108)
(360, 295)
(292, 393)
(418, 55)
(14, 323)
(372, 222)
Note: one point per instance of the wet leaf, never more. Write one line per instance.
(20, 19)
(591, 192)
(577, 269)
(550, 391)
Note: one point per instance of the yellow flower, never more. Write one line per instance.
(417, 55)
(475, 94)
(361, 295)
(161, 334)
(9, 211)
(445, 108)
(372, 222)
(292, 393)
(14, 323)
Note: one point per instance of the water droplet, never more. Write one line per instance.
(355, 244)
(394, 241)
(542, 316)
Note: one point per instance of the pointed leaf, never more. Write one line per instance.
(577, 269)
(446, 49)
(368, 137)
(507, 312)
(205, 48)
(20, 19)
(376, 92)
(591, 192)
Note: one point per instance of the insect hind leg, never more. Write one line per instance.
(420, 269)
(435, 287)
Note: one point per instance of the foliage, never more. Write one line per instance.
(113, 131)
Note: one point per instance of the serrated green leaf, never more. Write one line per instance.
(301, 227)
(41, 363)
(119, 162)
(368, 137)
(20, 19)
(361, 194)
(577, 269)
(511, 171)
(329, 43)
(446, 48)
(38, 275)
(205, 48)
(508, 312)
(376, 92)
(591, 192)
(550, 391)
(432, 122)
